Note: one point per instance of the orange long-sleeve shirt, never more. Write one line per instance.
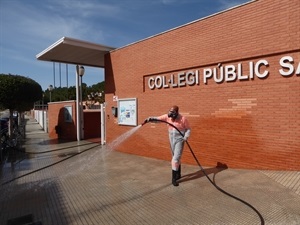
(180, 122)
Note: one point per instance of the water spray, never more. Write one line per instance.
(204, 172)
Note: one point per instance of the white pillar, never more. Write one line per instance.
(102, 124)
(81, 112)
(78, 121)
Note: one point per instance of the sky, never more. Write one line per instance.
(27, 27)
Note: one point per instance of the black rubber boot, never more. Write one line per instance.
(178, 175)
(174, 174)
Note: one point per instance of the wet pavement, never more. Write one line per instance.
(66, 183)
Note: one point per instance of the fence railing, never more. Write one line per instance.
(9, 145)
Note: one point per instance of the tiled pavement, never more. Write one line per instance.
(86, 183)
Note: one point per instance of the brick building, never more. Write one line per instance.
(235, 75)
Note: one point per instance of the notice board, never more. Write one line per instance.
(127, 111)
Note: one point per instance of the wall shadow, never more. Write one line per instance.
(65, 128)
(109, 76)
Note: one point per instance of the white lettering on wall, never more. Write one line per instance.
(286, 64)
(181, 79)
(230, 73)
(227, 73)
(192, 78)
(207, 73)
(298, 69)
(257, 68)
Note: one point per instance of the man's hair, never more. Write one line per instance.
(175, 107)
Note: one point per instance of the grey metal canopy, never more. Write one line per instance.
(73, 51)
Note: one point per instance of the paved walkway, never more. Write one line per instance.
(86, 183)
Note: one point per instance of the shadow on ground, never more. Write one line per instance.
(198, 174)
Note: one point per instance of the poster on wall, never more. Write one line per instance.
(68, 114)
(127, 111)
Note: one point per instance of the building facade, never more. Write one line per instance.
(235, 75)
(62, 121)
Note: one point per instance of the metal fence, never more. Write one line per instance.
(11, 144)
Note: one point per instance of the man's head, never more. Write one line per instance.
(173, 112)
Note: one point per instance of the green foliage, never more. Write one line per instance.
(18, 93)
(65, 94)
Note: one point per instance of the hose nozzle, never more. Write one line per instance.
(150, 119)
(145, 121)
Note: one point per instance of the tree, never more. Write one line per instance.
(65, 94)
(18, 93)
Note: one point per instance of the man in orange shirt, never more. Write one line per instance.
(176, 139)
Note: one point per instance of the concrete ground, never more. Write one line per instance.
(85, 183)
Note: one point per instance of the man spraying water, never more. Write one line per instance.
(176, 139)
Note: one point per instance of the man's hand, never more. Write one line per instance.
(149, 119)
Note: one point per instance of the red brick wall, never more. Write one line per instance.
(56, 118)
(253, 123)
(68, 129)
